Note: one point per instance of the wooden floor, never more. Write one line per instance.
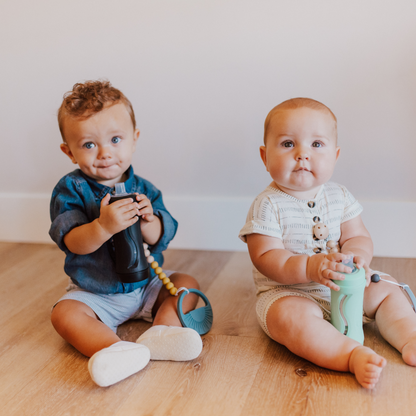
(240, 371)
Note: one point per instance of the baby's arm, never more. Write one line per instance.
(270, 257)
(356, 240)
(113, 218)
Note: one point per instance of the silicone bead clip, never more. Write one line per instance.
(199, 319)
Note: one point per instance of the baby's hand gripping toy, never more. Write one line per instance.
(131, 263)
(133, 259)
(347, 303)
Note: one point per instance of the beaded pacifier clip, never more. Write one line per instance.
(199, 319)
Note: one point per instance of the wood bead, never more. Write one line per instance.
(159, 271)
(331, 244)
(320, 231)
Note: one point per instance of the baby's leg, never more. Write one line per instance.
(298, 324)
(111, 359)
(165, 310)
(167, 339)
(395, 317)
(77, 324)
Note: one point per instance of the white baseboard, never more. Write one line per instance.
(213, 223)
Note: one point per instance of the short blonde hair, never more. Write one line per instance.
(89, 98)
(293, 104)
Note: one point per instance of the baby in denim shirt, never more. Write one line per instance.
(99, 134)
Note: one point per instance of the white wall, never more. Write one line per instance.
(202, 76)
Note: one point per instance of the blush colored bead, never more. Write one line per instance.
(331, 244)
(150, 259)
(145, 246)
(334, 250)
(147, 253)
(320, 231)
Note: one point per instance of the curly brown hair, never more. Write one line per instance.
(89, 98)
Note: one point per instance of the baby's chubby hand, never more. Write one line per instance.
(145, 208)
(360, 262)
(323, 268)
(119, 215)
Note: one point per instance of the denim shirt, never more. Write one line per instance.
(76, 201)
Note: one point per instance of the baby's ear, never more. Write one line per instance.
(338, 151)
(65, 148)
(136, 134)
(263, 156)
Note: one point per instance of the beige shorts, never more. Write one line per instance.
(317, 293)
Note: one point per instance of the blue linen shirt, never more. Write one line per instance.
(76, 201)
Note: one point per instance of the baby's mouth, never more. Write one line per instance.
(302, 170)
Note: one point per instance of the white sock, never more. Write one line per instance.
(117, 362)
(171, 343)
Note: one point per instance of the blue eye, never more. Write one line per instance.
(287, 144)
(115, 140)
(89, 145)
(316, 144)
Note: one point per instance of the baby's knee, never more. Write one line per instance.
(66, 312)
(382, 289)
(282, 313)
(288, 314)
(59, 317)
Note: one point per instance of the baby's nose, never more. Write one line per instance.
(104, 153)
(302, 155)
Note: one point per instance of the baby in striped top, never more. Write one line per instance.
(294, 268)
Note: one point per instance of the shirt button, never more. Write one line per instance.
(316, 219)
(317, 250)
(311, 204)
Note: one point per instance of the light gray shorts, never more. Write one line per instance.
(317, 293)
(117, 308)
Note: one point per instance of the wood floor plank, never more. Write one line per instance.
(233, 299)
(28, 278)
(240, 371)
(216, 383)
(404, 270)
(204, 268)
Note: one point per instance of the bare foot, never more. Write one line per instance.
(366, 365)
(409, 352)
